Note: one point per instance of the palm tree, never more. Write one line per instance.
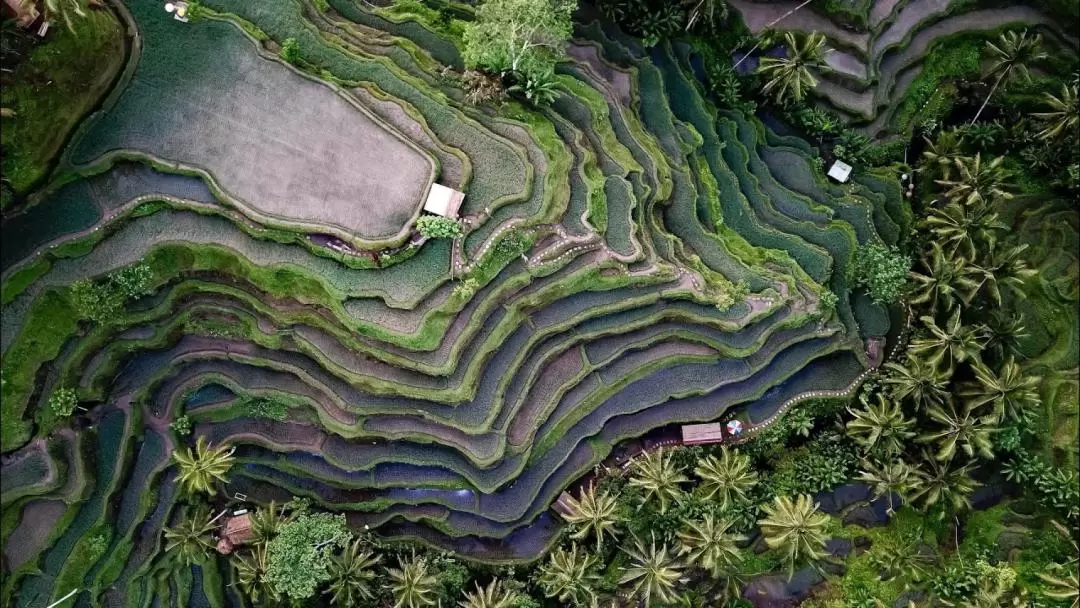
(727, 477)
(952, 343)
(654, 572)
(492, 596)
(1007, 268)
(1010, 57)
(943, 482)
(251, 576)
(708, 12)
(198, 470)
(1062, 119)
(946, 280)
(1004, 331)
(708, 544)
(1010, 392)
(903, 557)
(918, 381)
(941, 155)
(1067, 585)
(977, 183)
(191, 540)
(963, 229)
(972, 434)
(569, 577)
(880, 428)
(265, 523)
(655, 473)
(412, 584)
(796, 528)
(790, 77)
(352, 575)
(894, 477)
(1063, 584)
(66, 10)
(595, 513)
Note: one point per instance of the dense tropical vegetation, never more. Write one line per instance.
(901, 349)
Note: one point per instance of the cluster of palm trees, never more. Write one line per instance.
(702, 561)
(960, 383)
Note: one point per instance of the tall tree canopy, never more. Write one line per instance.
(523, 36)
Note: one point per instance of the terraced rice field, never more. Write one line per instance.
(451, 393)
(865, 73)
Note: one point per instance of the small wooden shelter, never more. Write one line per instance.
(443, 201)
(840, 171)
(236, 531)
(699, 434)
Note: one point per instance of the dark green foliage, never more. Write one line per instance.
(933, 92)
(1055, 488)
(881, 270)
(272, 407)
(436, 227)
(820, 465)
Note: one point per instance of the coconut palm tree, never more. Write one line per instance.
(789, 76)
(727, 477)
(251, 576)
(1009, 57)
(265, 522)
(960, 428)
(950, 344)
(68, 11)
(190, 540)
(200, 468)
(352, 575)
(944, 482)
(656, 475)
(593, 513)
(940, 155)
(1063, 584)
(880, 428)
(1062, 119)
(492, 596)
(1006, 269)
(907, 557)
(918, 381)
(977, 183)
(653, 573)
(568, 576)
(1010, 392)
(1004, 331)
(413, 584)
(946, 280)
(892, 477)
(710, 545)
(709, 13)
(963, 230)
(796, 528)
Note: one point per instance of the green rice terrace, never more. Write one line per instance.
(528, 304)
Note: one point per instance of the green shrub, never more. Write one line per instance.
(881, 270)
(274, 408)
(296, 568)
(103, 300)
(436, 227)
(63, 401)
(290, 50)
(182, 425)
